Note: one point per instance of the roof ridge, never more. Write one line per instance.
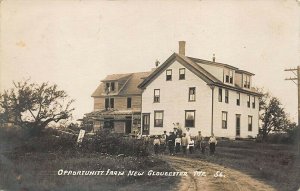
(211, 62)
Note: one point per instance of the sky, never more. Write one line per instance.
(75, 44)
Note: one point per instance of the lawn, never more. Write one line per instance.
(35, 164)
(39, 171)
(276, 164)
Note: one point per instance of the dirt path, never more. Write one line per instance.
(232, 180)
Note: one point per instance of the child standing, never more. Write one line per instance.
(191, 146)
(156, 144)
(177, 144)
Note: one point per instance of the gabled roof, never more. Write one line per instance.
(185, 61)
(193, 66)
(130, 87)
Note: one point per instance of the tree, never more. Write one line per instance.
(272, 115)
(34, 106)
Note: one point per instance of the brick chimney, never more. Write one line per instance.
(182, 48)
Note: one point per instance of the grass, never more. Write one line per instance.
(276, 164)
(36, 168)
(39, 171)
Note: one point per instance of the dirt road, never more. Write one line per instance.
(204, 177)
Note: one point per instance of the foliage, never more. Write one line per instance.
(112, 143)
(34, 106)
(86, 124)
(272, 115)
(53, 140)
(293, 134)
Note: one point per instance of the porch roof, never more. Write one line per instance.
(111, 113)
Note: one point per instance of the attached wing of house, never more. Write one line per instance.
(117, 102)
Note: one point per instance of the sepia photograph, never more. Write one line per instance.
(151, 95)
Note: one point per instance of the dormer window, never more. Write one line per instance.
(110, 87)
(112, 84)
(229, 76)
(107, 87)
(169, 75)
(246, 81)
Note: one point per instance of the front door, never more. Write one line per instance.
(128, 124)
(145, 123)
(238, 125)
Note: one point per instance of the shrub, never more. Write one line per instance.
(293, 134)
(111, 143)
(52, 140)
(277, 138)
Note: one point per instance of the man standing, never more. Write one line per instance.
(171, 142)
(163, 141)
(199, 139)
(212, 144)
(184, 143)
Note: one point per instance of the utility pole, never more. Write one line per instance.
(296, 72)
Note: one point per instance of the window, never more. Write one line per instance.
(106, 103)
(192, 94)
(253, 103)
(112, 102)
(249, 123)
(224, 120)
(248, 102)
(190, 118)
(158, 118)
(109, 103)
(246, 81)
(226, 96)
(181, 73)
(112, 86)
(220, 94)
(169, 75)
(156, 96)
(107, 87)
(108, 123)
(238, 102)
(229, 76)
(129, 102)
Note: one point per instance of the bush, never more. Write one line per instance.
(277, 138)
(293, 135)
(51, 140)
(111, 143)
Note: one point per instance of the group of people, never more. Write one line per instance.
(177, 142)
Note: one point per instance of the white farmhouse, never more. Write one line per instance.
(201, 95)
